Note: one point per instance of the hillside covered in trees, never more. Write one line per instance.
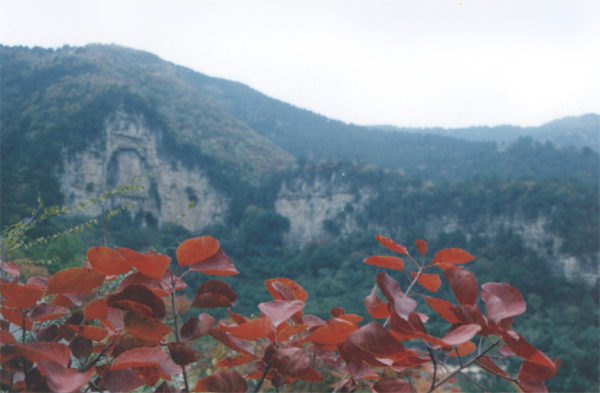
(251, 148)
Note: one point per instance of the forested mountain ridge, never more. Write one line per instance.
(291, 193)
(436, 154)
(572, 131)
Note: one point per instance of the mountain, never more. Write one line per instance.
(572, 131)
(291, 193)
(435, 154)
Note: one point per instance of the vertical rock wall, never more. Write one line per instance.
(129, 149)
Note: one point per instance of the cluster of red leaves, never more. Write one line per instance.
(120, 340)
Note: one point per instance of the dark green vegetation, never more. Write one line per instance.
(431, 154)
(56, 102)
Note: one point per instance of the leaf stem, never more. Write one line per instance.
(262, 378)
(27, 382)
(434, 369)
(453, 373)
(176, 321)
(472, 380)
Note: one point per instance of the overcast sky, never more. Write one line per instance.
(405, 63)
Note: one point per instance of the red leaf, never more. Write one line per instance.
(230, 341)
(139, 294)
(49, 333)
(501, 301)
(463, 349)
(160, 288)
(151, 374)
(398, 301)
(539, 371)
(46, 312)
(73, 280)
(6, 337)
(463, 285)
(61, 379)
(150, 264)
(334, 331)
(235, 361)
(251, 330)
(391, 384)
(294, 362)
(375, 340)
(444, 308)
(421, 246)
(281, 310)
(81, 348)
(214, 294)
(289, 331)
(122, 380)
(531, 384)
(93, 333)
(298, 292)
(392, 245)
(191, 330)
(460, 335)
(197, 250)
(375, 306)
(217, 265)
(11, 269)
(40, 282)
(181, 354)
(525, 350)
(126, 343)
(488, 365)
(96, 309)
(107, 261)
(385, 261)
(139, 357)
(21, 296)
(36, 352)
(431, 282)
(224, 380)
(144, 327)
(14, 315)
(452, 255)
(237, 318)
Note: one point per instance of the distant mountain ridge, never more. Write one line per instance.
(577, 131)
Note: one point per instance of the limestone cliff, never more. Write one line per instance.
(130, 149)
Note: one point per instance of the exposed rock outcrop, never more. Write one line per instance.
(130, 149)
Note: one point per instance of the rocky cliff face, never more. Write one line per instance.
(130, 149)
(324, 206)
(329, 207)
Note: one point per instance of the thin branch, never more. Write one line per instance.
(97, 358)
(339, 385)
(262, 379)
(458, 356)
(105, 223)
(27, 382)
(414, 281)
(453, 373)
(176, 321)
(472, 380)
(434, 369)
(490, 371)
(313, 365)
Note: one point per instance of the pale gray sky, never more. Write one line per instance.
(405, 63)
